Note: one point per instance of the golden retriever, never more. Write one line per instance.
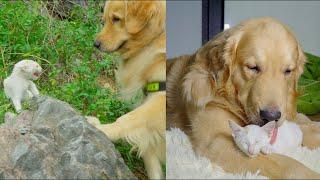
(136, 30)
(248, 74)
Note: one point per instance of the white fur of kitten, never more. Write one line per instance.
(252, 139)
(19, 86)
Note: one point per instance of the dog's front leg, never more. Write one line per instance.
(153, 109)
(152, 164)
(111, 130)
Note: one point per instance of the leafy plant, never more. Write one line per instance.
(309, 84)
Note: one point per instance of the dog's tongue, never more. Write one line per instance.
(274, 135)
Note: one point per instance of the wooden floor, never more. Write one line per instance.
(315, 117)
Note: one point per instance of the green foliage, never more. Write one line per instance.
(131, 160)
(64, 48)
(309, 84)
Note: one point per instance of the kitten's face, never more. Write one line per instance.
(31, 69)
(252, 138)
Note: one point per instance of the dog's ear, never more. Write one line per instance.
(231, 45)
(208, 76)
(293, 93)
(301, 60)
(197, 88)
(138, 14)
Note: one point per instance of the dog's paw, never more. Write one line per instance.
(93, 121)
(112, 131)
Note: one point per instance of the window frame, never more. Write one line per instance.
(212, 18)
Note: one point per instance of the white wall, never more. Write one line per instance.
(184, 21)
(303, 17)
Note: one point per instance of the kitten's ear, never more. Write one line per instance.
(269, 127)
(235, 128)
(23, 67)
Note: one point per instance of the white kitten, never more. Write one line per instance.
(252, 139)
(19, 86)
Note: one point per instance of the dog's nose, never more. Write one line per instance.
(97, 44)
(271, 114)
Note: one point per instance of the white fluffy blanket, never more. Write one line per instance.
(183, 163)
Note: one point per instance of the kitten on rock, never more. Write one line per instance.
(19, 87)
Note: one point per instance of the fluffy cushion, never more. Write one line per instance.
(183, 163)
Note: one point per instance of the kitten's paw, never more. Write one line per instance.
(266, 150)
(29, 95)
(37, 93)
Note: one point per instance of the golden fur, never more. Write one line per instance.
(136, 30)
(218, 83)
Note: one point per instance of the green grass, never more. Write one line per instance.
(64, 48)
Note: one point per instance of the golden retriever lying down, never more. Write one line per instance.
(247, 74)
(136, 30)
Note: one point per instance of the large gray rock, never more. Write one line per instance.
(52, 140)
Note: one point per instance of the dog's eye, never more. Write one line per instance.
(256, 69)
(115, 19)
(287, 71)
